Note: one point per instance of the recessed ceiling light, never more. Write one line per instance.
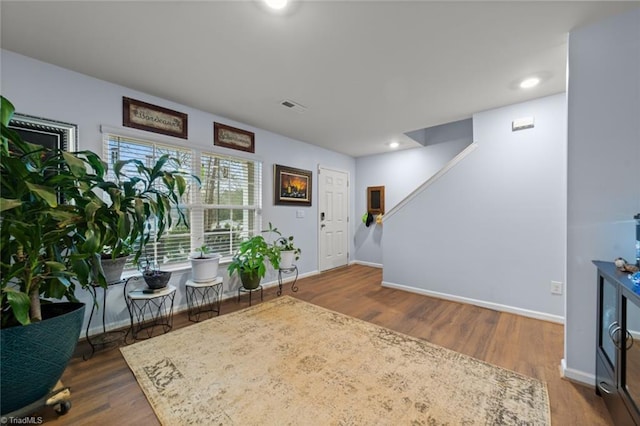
(394, 145)
(277, 4)
(529, 83)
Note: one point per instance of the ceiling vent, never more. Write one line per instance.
(294, 106)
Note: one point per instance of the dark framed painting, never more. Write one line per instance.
(375, 200)
(152, 118)
(234, 138)
(51, 134)
(292, 186)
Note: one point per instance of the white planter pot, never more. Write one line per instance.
(113, 268)
(205, 268)
(286, 259)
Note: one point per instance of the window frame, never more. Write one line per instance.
(194, 206)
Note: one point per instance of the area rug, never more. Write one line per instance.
(288, 362)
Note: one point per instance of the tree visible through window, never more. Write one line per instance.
(230, 198)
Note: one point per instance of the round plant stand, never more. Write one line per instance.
(203, 298)
(250, 291)
(292, 270)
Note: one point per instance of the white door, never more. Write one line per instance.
(333, 196)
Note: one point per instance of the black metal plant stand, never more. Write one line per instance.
(203, 297)
(291, 270)
(241, 289)
(106, 338)
(149, 309)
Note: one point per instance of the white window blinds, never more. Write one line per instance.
(222, 212)
(175, 244)
(229, 202)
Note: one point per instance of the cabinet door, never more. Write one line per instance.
(630, 370)
(608, 326)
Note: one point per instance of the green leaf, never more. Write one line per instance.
(76, 165)
(55, 266)
(45, 193)
(99, 166)
(20, 304)
(181, 184)
(159, 165)
(7, 110)
(92, 243)
(8, 204)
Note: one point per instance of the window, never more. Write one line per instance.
(229, 205)
(222, 212)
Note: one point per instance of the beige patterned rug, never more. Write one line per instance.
(288, 362)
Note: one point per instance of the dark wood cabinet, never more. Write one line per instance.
(618, 344)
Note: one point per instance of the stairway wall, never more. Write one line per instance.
(492, 230)
(400, 172)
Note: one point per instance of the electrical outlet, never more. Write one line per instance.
(556, 287)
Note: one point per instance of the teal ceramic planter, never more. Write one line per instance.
(35, 356)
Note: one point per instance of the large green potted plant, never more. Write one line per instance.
(250, 261)
(139, 205)
(48, 245)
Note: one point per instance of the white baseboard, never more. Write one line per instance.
(361, 262)
(578, 376)
(483, 304)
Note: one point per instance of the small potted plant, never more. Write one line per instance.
(113, 259)
(204, 265)
(288, 252)
(250, 261)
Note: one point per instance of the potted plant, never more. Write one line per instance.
(47, 247)
(288, 252)
(204, 265)
(113, 260)
(250, 261)
(141, 200)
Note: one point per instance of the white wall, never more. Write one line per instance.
(491, 231)
(44, 90)
(603, 170)
(400, 172)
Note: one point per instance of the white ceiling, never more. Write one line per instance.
(367, 71)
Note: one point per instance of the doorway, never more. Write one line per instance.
(333, 214)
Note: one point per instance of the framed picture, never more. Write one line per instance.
(48, 133)
(153, 118)
(51, 134)
(234, 138)
(375, 200)
(292, 186)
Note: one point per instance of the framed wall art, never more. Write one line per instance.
(51, 134)
(375, 200)
(153, 118)
(234, 138)
(292, 186)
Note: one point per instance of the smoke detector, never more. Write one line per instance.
(294, 106)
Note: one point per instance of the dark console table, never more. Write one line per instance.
(618, 344)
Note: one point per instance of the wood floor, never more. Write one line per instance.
(105, 392)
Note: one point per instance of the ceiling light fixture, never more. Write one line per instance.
(529, 83)
(394, 145)
(276, 4)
